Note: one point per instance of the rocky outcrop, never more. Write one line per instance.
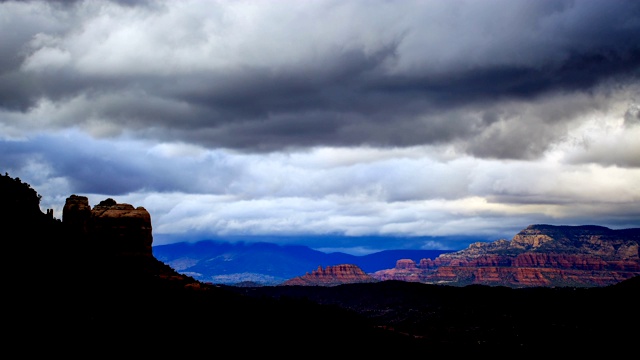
(540, 255)
(76, 214)
(122, 227)
(332, 276)
(109, 245)
(119, 229)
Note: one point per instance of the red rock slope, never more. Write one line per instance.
(540, 255)
(332, 276)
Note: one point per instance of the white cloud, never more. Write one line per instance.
(413, 118)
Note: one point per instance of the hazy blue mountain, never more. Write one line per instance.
(267, 263)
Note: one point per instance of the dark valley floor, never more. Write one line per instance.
(70, 291)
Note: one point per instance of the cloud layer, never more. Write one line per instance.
(359, 118)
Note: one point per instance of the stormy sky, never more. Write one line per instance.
(349, 126)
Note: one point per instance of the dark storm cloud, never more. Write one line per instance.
(95, 167)
(437, 72)
(383, 124)
(578, 72)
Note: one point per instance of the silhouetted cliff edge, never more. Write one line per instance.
(89, 288)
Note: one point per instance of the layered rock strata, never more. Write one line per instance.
(332, 276)
(540, 255)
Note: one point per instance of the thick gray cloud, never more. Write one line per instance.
(265, 76)
(398, 120)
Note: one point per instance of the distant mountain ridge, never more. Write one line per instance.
(91, 286)
(539, 255)
(266, 263)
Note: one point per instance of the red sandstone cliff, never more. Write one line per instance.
(332, 276)
(118, 232)
(540, 255)
(121, 228)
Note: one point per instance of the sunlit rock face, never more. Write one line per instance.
(539, 255)
(119, 229)
(332, 276)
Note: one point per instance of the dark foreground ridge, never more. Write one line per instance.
(90, 287)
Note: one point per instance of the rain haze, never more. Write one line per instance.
(352, 126)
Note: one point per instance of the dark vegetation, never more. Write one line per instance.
(487, 318)
(65, 296)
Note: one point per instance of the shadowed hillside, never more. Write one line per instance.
(75, 293)
(71, 292)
